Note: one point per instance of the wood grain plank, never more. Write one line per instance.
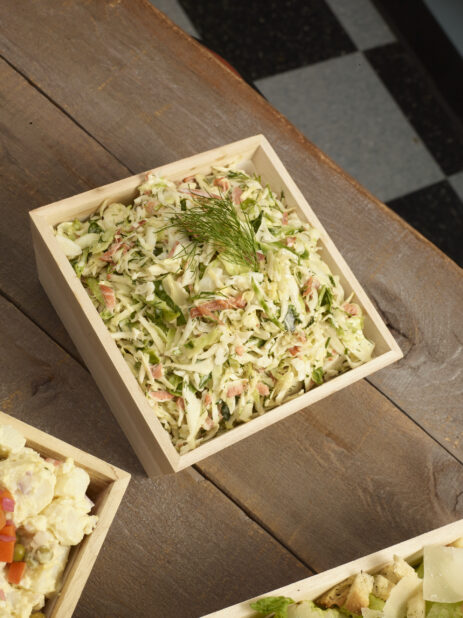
(179, 529)
(347, 476)
(45, 157)
(150, 94)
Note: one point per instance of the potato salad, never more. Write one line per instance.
(44, 510)
(215, 292)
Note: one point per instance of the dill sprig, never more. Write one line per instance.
(215, 220)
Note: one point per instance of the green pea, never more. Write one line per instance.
(19, 552)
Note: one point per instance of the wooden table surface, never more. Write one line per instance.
(93, 91)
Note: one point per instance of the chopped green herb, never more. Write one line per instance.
(177, 383)
(317, 375)
(291, 318)
(325, 298)
(201, 270)
(94, 228)
(224, 410)
(204, 380)
(256, 222)
(162, 294)
(156, 316)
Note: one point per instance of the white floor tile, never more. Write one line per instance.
(175, 12)
(362, 22)
(344, 108)
(456, 180)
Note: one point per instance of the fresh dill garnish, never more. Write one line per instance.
(215, 220)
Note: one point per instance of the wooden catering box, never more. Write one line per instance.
(312, 587)
(106, 490)
(99, 351)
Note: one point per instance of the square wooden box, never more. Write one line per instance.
(312, 587)
(106, 490)
(99, 351)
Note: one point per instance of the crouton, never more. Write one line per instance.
(382, 587)
(337, 595)
(395, 571)
(359, 593)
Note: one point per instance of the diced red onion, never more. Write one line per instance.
(2, 595)
(9, 522)
(6, 538)
(8, 505)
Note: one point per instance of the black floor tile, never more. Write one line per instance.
(436, 212)
(261, 38)
(412, 90)
(430, 43)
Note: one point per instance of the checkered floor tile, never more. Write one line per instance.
(338, 72)
(344, 108)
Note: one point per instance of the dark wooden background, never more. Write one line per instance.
(95, 90)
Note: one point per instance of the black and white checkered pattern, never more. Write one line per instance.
(338, 72)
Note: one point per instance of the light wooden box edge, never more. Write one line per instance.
(109, 481)
(312, 587)
(170, 461)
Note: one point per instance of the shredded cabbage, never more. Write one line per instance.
(212, 343)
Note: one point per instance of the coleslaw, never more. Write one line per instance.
(215, 341)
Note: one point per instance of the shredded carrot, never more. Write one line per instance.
(15, 572)
(2, 519)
